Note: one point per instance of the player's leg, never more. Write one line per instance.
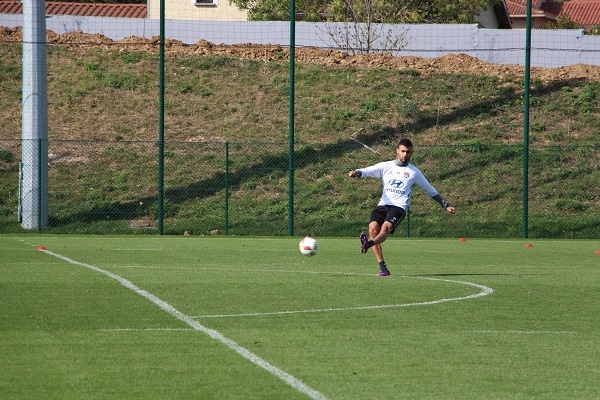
(375, 221)
(378, 249)
(387, 225)
(379, 233)
(374, 230)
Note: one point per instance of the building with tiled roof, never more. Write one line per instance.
(81, 9)
(210, 10)
(584, 13)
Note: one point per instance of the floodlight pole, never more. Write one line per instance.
(526, 122)
(33, 176)
(291, 119)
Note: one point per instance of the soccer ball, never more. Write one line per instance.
(309, 246)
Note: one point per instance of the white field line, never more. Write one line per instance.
(247, 354)
(485, 291)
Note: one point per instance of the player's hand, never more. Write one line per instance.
(352, 174)
(451, 210)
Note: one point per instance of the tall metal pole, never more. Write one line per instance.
(525, 221)
(33, 196)
(291, 119)
(226, 188)
(161, 118)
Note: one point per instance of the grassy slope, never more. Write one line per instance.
(111, 96)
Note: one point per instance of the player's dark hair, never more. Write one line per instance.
(405, 143)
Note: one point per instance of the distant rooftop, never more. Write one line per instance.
(585, 13)
(80, 9)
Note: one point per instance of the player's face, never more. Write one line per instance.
(403, 153)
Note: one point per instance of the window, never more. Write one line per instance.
(204, 2)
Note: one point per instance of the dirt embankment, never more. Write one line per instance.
(450, 63)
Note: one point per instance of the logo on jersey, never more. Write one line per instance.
(407, 174)
(397, 183)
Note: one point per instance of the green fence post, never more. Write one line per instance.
(291, 120)
(39, 179)
(226, 188)
(525, 222)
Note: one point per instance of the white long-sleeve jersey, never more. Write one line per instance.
(397, 182)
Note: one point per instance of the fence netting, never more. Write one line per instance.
(243, 189)
(227, 150)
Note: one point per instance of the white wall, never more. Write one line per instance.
(216, 10)
(550, 48)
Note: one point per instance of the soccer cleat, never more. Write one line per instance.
(384, 273)
(363, 243)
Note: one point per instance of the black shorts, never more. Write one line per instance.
(392, 214)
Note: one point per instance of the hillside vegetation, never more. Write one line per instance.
(465, 117)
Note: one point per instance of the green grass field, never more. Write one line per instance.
(129, 317)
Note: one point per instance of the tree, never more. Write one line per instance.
(389, 11)
(564, 22)
(449, 12)
(361, 26)
(279, 10)
(594, 30)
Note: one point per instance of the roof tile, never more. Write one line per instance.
(81, 9)
(583, 12)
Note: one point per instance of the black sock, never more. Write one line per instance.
(382, 266)
(370, 244)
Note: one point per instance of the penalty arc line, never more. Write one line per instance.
(485, 291)
(247, 354)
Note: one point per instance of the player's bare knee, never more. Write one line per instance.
(387, 228)
(374, 232)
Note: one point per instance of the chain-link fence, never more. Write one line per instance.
(226, 164)
(243, 189)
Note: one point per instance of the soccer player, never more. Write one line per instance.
(397, 177)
